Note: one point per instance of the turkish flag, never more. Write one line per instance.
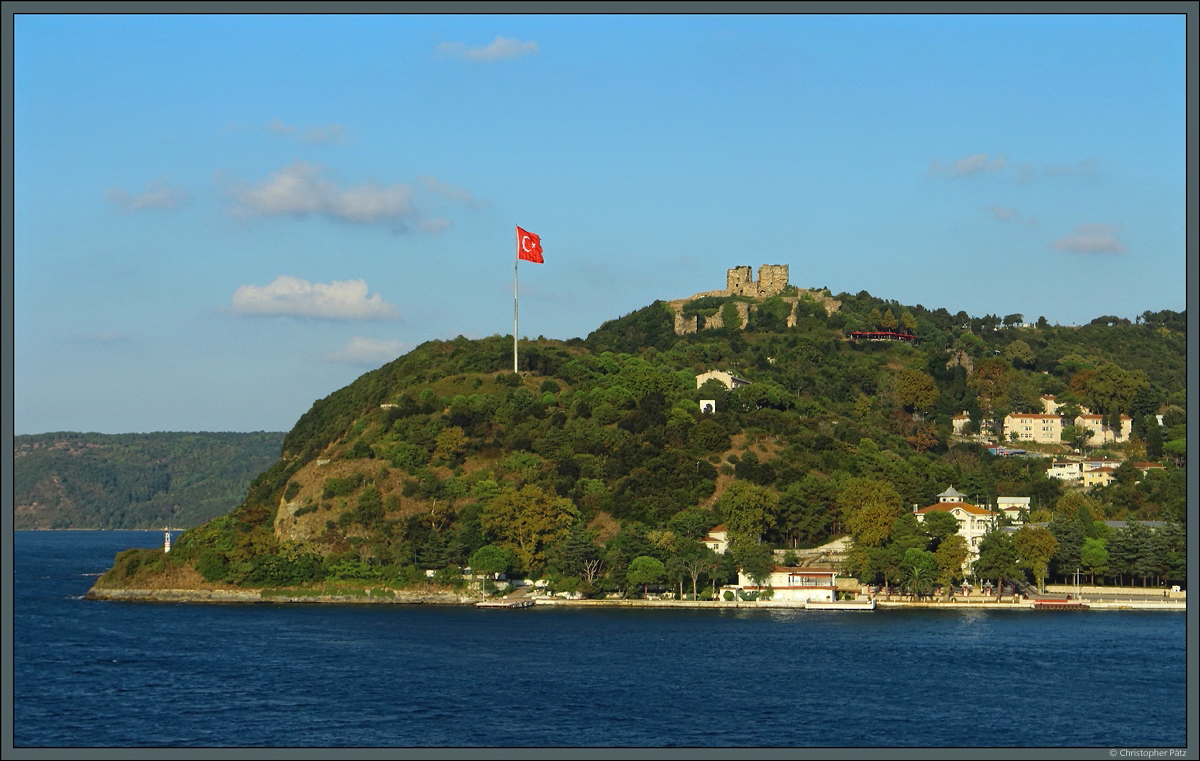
(529, 246)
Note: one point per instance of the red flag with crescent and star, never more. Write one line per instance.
(529, 246)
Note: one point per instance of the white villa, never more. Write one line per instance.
(973, 521)
(717, 539)
(1065, 470)
(1012, 506)
(796, 584)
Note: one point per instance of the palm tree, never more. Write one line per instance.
(919, 568)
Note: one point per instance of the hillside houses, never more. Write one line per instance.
(1046, 427)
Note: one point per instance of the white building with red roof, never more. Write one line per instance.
(1102, 476)
(795, 584)
(717, 539)
(973, 521)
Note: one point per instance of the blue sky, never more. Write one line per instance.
(220, 219)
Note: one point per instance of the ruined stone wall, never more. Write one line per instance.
(772, 278)
(739, 281)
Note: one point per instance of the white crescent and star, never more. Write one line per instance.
(525, 244)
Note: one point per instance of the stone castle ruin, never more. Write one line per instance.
(739, 281)
(772, 279)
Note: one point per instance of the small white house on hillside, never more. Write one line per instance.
(730, 380)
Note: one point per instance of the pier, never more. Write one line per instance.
(525, 602)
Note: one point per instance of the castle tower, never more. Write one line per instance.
(772, 279)
(740, 280)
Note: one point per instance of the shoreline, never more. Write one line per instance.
(253, 596)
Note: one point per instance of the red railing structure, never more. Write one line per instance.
(881, 335)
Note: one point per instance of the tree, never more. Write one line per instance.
(576, 554)
(1019, 354)
(1094, 557)
(730, 317)
(950, 556)
(1076, 436)
(1153, 437)
(757, 561)
(806, 510)
(1074, 506)
(939, 525)
(916, 390)
(991, 381)
(696, 558)
(645, 570)
(997, 558)
(527, 521)
(888, 320)
(450, 443)
(875, 318)
(1013, 319)
(1108, 387)
(749, 510)
(1070, 535)
(869, 508)
(1035, 546)
(491, 560)
(920, 568)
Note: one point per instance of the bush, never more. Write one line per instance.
(212, 565)
(727, 595)
(341, 487)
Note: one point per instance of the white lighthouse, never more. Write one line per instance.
(166, 540)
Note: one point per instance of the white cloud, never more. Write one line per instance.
(1091, 239)
(974, 164)
(366, 351)
(333, 133)
(276, 127)
(1086, 167)
(297, 297)
(451, 192)
(158, 195)
(498, 49)
(1010, 216)
(1003, 213)
(300, 189)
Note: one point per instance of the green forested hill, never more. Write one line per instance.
(597, 453)
(134, 480)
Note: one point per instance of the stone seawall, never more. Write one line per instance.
(449, 598)
(256, 596)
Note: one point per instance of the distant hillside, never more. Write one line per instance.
(134, 480)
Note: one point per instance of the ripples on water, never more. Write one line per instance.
(131, 674)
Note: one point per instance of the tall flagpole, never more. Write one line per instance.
(516, 249)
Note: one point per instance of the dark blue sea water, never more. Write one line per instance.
(90, 673)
